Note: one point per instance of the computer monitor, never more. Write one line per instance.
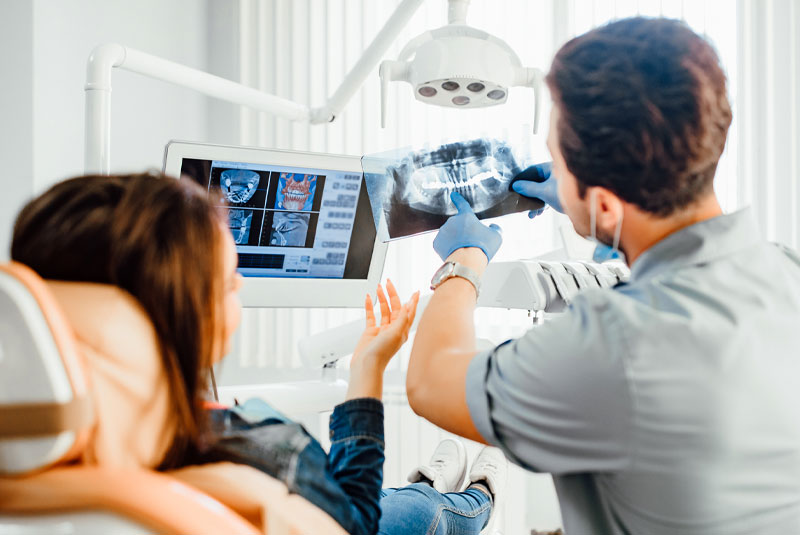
(301, 221)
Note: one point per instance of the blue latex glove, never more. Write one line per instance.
(535, 181)
(465, 230)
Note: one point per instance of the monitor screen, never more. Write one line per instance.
(302, 221)
(290, 221)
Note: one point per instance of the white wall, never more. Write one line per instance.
(16, 110)
(145, 114)
(45, 44)
(769, 116)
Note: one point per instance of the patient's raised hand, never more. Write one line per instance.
(380, 341)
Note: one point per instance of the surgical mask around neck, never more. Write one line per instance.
(602, 251)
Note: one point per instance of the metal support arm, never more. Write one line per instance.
(104, 58)
(97, 149)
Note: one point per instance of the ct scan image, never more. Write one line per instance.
(241, 188)
(296, 192)
(240, 222)
(289, 229)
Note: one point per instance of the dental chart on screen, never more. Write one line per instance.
(409, 190)
(286, 221)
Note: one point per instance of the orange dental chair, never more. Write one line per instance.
(62, 467)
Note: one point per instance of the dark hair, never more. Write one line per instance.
(156, 238)
(643, 112)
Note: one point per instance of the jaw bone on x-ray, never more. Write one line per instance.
(238, 185)
(239, 222)
(289, 229)
(410, 190)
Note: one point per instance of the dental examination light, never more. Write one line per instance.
(458, 66)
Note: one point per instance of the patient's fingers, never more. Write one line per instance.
(413, 302)
(400, 323)
(384, 303)
(370, 309)
(408, 319)
(394, 299)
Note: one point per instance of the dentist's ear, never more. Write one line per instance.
(610, 208)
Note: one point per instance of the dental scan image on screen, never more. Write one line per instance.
(289, 229)
(295, 191)
(292, 222)
(240, 222)
(409, 190)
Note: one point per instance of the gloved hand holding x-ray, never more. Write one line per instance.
(464, 230)
(537, 181)
(410, 190)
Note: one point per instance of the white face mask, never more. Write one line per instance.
(603, 251)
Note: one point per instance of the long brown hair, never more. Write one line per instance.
(156, 238)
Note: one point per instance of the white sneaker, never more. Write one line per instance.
(490, 466)
(447, 466)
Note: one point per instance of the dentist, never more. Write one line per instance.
(665, 405)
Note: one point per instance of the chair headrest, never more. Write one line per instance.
(45, 409)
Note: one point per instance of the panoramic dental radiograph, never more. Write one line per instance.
(289, 229)
(480, 174)
(238, 185)
(296, 191)
(411, 190)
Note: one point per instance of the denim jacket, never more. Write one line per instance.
(345, 482)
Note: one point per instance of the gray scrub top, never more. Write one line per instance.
(668, 405)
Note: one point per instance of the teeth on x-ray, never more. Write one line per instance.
(289, 229)
(238, 185)
(480, 170)
(239, 222)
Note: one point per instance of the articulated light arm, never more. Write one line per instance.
(104, 58)
(369, 59)
(533, 78)
(97, 155)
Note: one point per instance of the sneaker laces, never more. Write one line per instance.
(438, 464)
(490, 468)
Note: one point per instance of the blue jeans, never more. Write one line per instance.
(419, 509)
(346, 481)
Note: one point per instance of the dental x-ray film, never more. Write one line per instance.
(409, 190)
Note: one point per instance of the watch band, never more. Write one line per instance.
(458, 270)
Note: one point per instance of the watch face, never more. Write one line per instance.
(442, 274)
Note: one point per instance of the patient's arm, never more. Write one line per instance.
(443, 348)
(380, 342)
(345, 482)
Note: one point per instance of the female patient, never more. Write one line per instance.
(167, 244)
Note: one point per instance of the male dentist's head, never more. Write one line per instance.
(639, 122)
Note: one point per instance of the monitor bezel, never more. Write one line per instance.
(276, 292)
